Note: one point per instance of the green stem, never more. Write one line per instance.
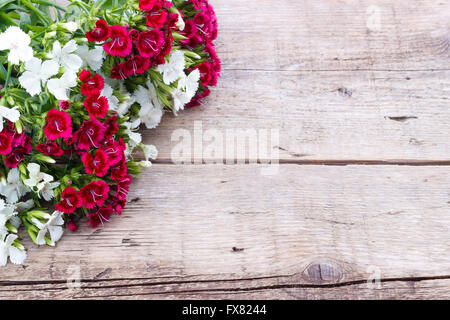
(8, 76)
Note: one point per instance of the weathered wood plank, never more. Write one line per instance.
(324, 115)
(334, 35)
(307, 226)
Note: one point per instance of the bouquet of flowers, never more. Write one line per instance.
(76, 83)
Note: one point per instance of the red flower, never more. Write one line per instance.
(17, 139)
(145, 5)
(120, 44)
(5, 143)
(114, 150)
(156, 17)
(165, 50)
(119, 170)
(197, 100)
(205, 73)
(111, 126)
(18, 154)
(94, 193)
(71, 201)
(59, 125)
(90, 134)
(137, 65)
(64, 105)
(192, 34)
(72, 226)
(99, 216)
(149, 43)
(96, 106)
(100, 33)
(50, 148)
(97, 165)
(92, 85)
(118, 204)
(203, 23)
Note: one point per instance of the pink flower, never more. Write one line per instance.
(18, 154)
(97, 165)
(114, 150)
(64, 105)
(90, 134)
(137, 65)
(205, 73)
(94, 194)
(72, 226)
(156, 17)
(111, 127)
(122, 187)
(71, 200)
(96, 106)
(119, 170)
(120, 71)
(59, 125)
(92, 85)
(100, 33)
(149, 43)
(99, 216)
(120, 44)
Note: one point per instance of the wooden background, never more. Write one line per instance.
(363, 188)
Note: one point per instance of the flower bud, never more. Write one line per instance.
(38, 214)
(44, 158)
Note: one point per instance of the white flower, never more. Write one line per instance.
(12, 115)
(150, 151)
(135, 137)
(18, 44)
(40, 180)
(6, 213)
(190, 83)
(180, 23)
(92, 58)
(69, 26)
(151, 116)
(59, 87)
(53, 226)
(180, 98)
(7, 249)
(14, 189)
(64, 56)
(37, 72)
(173, 69)
(113, 101)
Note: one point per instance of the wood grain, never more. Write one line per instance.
(363, 182)
(240, 232)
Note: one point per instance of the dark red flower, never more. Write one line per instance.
(18, 154)
(120, 71)
(94, 194)
(99, 216)
(118, 204)
(133, 34)
(90, 134)
(149, 43)
(119, 170)
(114, 150)
(84, 76)
(192, 34)
(165, 50)
(100, 33)
(120, 44)
(59, 125)
(17, 138)
(71, 200)
(96, 106)
(64, 105)
(5, 143)
(122, 187)
(137, 65)
(111, 126)
(50, 148)
(197, 100)
(97, 165)
(203, 23)
(146, 5)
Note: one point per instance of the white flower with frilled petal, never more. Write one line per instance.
(7, 212)
(92, 58)
(12, 115)
(173, 69)
(13, 190)
(53, 226)
(150, 116)
(108, 93)
(135, 137)
(65, 56)
(180, 98)
(190, 83)
(18, 44)
(60, 87)
(37, 72)
(7, 249)
(150, 151)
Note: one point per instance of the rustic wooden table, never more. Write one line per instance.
(359, 91)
